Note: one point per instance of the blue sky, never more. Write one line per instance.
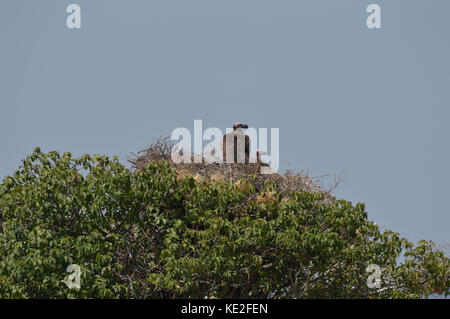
(373, 105)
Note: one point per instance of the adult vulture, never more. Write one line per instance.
(236, 145)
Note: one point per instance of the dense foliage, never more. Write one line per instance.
(152, 233)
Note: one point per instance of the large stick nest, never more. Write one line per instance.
(288, 183)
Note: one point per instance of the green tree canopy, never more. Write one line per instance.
(153, 233)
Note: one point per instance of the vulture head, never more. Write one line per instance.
(237, 125)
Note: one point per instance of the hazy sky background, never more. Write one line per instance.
(371, 104)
